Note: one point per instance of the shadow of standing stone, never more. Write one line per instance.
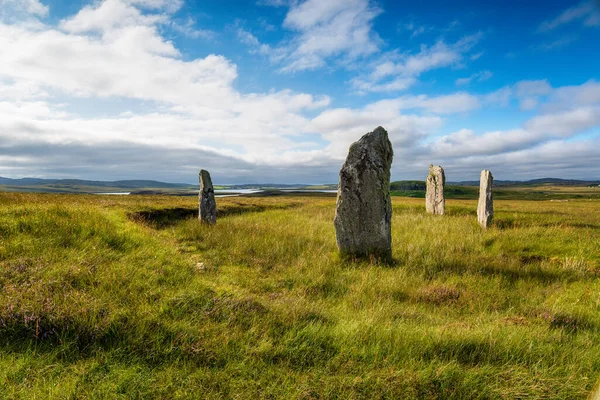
(208, 205)
(364, 208)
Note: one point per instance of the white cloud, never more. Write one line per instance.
(188, 29)
(323, 30)
(569, 96)
(330, 28)
(566, 112)
(446, 104)
(479, 77)
(117, 64)
(21, 90)
(33, 7)
(529, 93)
(169, 6)
(567, 123)
(415, 29)
(528, 103)
(500, 97)
(464, 81)
(342, 126)
(396, 85)
(466, 143)
(109, 15)
(537, 130)
(114, 50)
(340, 33)
(439, 55)
(255, 45)
(274, 3)
(550, 159)
(407, 67)
(556, 44)
(588, 12)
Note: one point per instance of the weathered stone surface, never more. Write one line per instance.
(208, 206)
(364, 209)
(485, 208)
(434, 199)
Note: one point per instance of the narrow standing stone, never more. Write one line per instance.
(364, 209)
(208, 206)
(434, 198)
(485, 208)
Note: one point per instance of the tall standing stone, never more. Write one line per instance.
(364, 209)
(208, 206)
(485, 208)
(434, 198)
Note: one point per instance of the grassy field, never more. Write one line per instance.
(540, 192)
(130, 297)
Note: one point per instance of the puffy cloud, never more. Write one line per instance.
(537, 130)
(566, 123)
(342, 126)
(568, 96)
(133, 62)
(113, 50)
(500, 97)
(550, 159)
(323, 30)
(566, 112)
(108, 15)
(330, 28)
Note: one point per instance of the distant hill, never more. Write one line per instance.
(411, 188)
(83, 186)
(135, 186)
(79, 182)
(533, 182)
(407, 185)
(535, 189)
(264, 186)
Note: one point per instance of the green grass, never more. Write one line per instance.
(130, 297)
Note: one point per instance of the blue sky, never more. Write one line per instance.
(277, 90)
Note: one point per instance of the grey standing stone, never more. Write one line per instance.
(485, 208)
(364, 209)
(208, 206)
(434, 198)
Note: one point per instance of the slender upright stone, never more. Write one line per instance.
(364, 209)
(208, 206)
(434, 198)
(485, 208)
